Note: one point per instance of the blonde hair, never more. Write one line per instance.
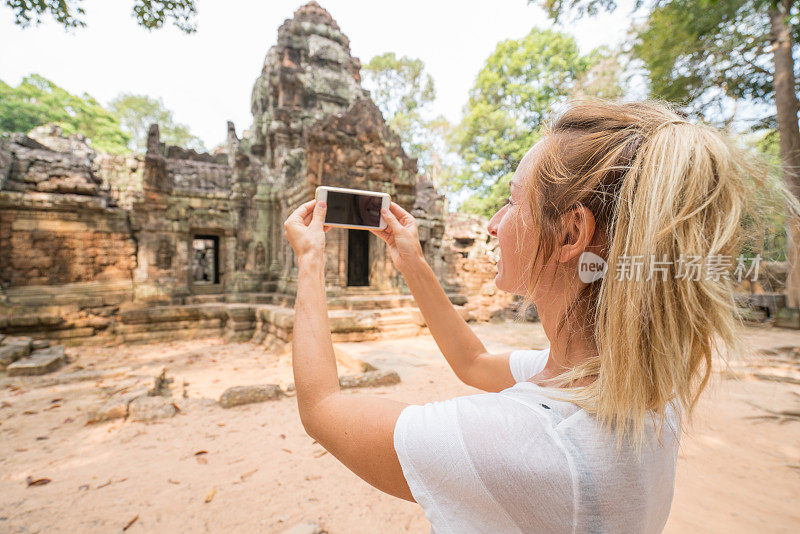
(659, 187)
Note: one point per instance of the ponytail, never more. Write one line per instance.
(663, 191)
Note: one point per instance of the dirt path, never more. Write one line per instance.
(262, 473)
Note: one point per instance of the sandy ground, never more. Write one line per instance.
(262, 473)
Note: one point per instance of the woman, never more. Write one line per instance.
(583, 436)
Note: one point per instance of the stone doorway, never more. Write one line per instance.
(357, 258)
(205, 260)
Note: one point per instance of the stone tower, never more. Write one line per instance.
(314, 125)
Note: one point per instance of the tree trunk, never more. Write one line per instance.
(787, 106)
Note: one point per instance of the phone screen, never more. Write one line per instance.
(350, 208)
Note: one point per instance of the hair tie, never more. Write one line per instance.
(668, 123)
(675, 121)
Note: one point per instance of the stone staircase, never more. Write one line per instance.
(400, 322)
(257, 317)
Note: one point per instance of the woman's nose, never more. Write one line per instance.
(492, 228)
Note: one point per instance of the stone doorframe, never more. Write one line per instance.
(221, 250)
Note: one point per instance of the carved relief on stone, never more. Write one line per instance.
(164, 254)
(240, 261)
(261, 256)
(426, 196)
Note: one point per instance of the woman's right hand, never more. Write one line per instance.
(401, 237)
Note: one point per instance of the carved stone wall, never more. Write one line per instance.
(84, 231)
(58, 223)
(471, 258)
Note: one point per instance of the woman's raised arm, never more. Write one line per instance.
(461, 348)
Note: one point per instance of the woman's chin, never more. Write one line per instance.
(514, 289)
(498, 283)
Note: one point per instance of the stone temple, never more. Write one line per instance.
(103, 248)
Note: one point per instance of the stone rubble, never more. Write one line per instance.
(239, 395)
(38, 362)
(369, 379)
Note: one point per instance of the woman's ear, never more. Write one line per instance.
(579, 231)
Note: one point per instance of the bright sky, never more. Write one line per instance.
(206, 78)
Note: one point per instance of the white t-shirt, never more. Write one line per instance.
(518, 461)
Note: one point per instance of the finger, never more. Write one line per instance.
(391, 220)
(402, 215)
(383, 234)
(319, 215)
(304, 209)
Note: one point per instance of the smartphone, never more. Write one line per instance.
(353, 208)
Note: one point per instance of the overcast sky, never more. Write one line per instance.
(206, 78)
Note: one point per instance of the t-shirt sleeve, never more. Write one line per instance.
(526, 363)
(435, 463)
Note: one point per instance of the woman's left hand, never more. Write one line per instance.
(306, 232)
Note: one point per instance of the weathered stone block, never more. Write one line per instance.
(13, 351)
(50, 320)
(352, 322)
(69, 333)
(788, 318)
(159, 315)
(21, 321)
(40, 362)
(239, 395)
(237, 313)
(169, 335)
(151, 408)
(369, 379)
(98, 323)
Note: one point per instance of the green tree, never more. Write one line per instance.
(150, 14)
(604, 78)
(772, 226)
(705, 52)
(521, 81)
(137, 112)
(37, 101)
(399, 86)
(403, 91)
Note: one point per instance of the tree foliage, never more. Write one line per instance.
(604, 78)
(772, 227)
(137, 112)
(150, 14)
(403, 91)
(521, 82)
(37, 101)
(702, 54)
(706, 55)
(120, 129)
(399, 86)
